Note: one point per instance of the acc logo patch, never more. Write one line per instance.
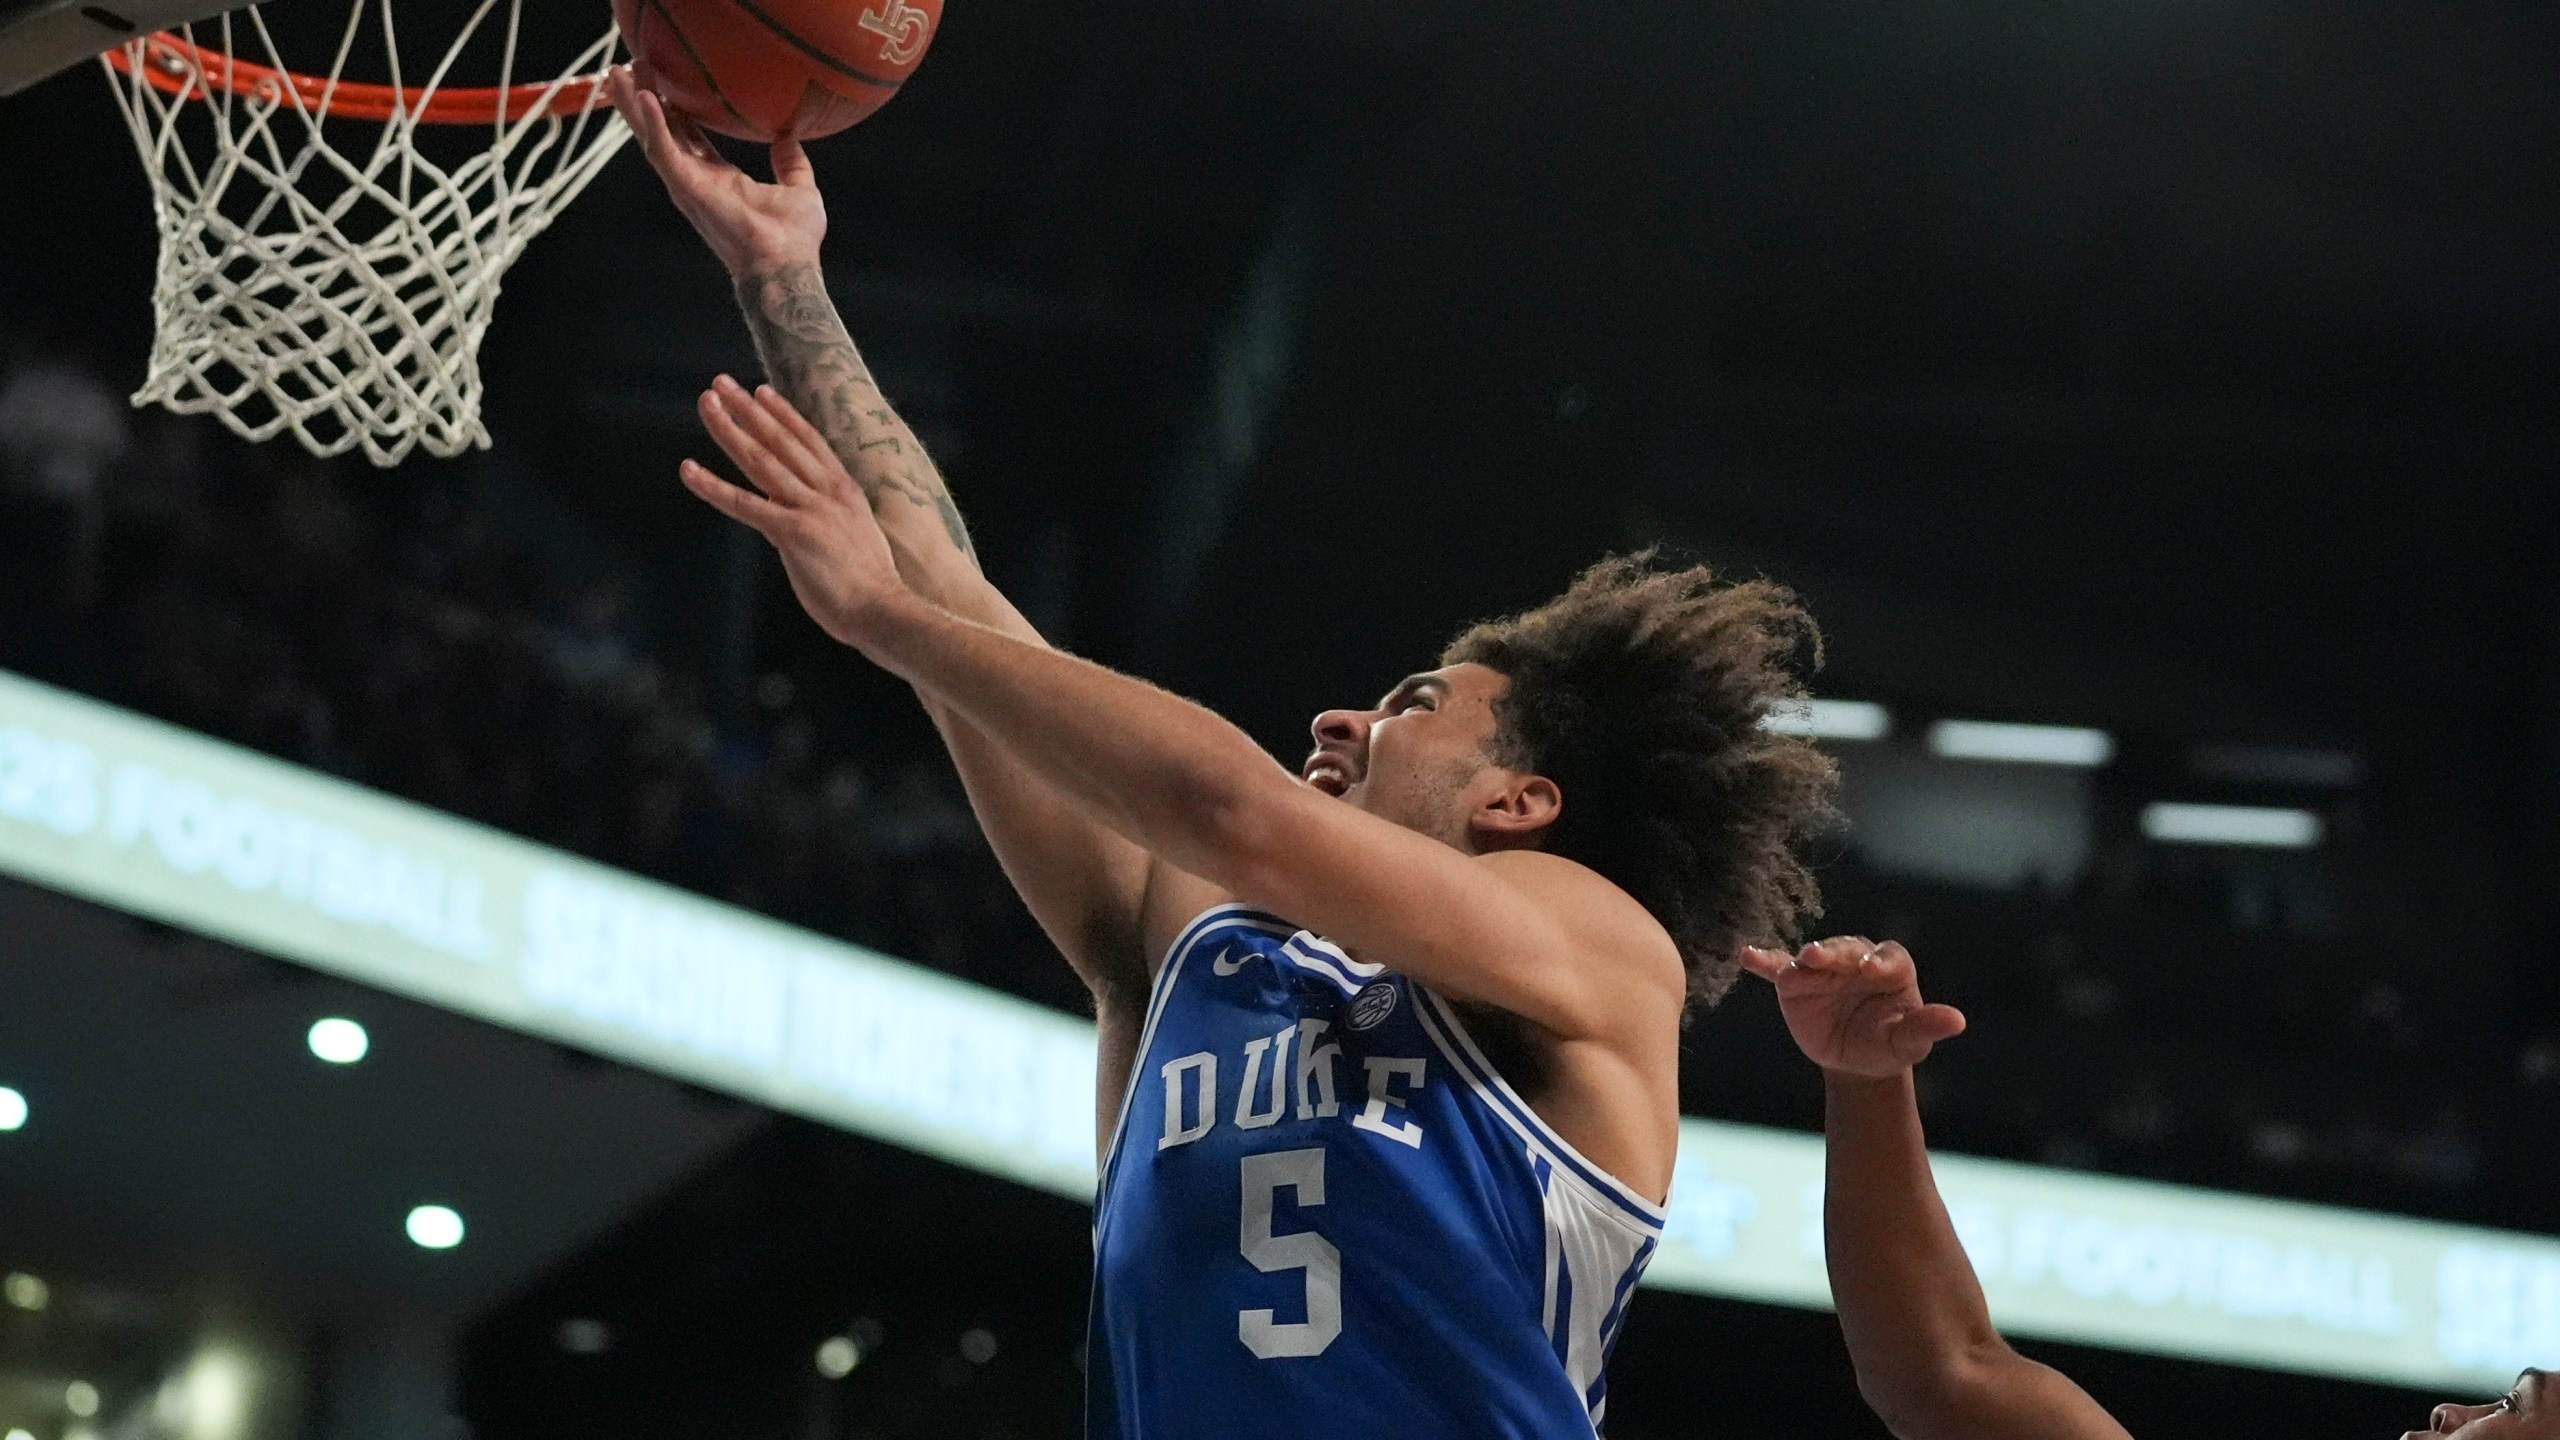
(1373, 1004)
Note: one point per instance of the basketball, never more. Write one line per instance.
(762, 69)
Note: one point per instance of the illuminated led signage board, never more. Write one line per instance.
(164, 823)
(2135, 1265)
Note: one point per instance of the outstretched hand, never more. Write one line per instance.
(818, 519)
(1854, 1006)
(750, 225)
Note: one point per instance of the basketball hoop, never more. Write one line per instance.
(341, 293)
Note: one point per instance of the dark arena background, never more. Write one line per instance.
(2175, 378)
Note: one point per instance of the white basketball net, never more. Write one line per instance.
(340, 294)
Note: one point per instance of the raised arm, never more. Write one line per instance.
(768, 236)
(1919, 1332)
(1195, 791)
(1082, 882)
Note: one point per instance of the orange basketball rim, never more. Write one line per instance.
(180, 67)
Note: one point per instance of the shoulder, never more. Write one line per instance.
(1595, 916)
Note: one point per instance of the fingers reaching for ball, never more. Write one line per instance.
(754, 228)
(735, 501)
(639, 109)
(799, 497)
(1853, 1005)
(1914, 1033)
(791, 165)
(667, 137)
(781, 461)
(1767, 964)
(790, 418)
(1888, 965)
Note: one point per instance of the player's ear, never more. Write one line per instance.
(1519, 814)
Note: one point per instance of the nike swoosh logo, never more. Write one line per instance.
(1226, 966)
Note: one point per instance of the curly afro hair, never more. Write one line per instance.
(1640, 692)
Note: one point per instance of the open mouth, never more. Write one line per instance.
(1327, 773)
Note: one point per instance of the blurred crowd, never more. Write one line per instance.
(2141, 1033)
(382, 628)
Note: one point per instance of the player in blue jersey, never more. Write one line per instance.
(1389, 1047)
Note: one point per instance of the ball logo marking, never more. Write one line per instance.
(904, 29)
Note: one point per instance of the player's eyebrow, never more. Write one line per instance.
(1414, 685)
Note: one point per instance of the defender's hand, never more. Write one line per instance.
(1854, 1006)
(753, 227)
(819, 521)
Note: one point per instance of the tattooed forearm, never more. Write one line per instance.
(811, 360)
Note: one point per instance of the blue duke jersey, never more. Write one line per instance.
(1324, 1214)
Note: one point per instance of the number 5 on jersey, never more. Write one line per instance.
(1268, 1338)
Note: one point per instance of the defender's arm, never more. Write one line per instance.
(1929, 1361)
(1919, 1332)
